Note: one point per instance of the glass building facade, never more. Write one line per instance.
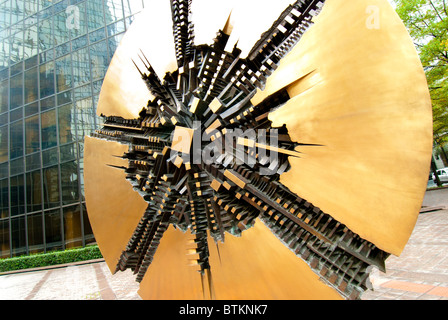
(53, 58)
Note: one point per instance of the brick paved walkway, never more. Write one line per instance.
(420, 273)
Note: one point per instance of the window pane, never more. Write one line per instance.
(72, 227)
(61, 32)
(99, 59)
(30, 42)
(16, 139)
(16, 53)
(81, 68)
(69, 182)
(50, 157)
(53, 234)
(4, 198)
(76, 16)
(33, 162)
(4, 239)
(32, 141)
(51, 187)
(45, 34)
(66, 119)
(31, 93)
(35, 233)
(95, 16)
(68, 152)
(85, 118)
(17, 195)
(16, 166)
(113, 10)
(31, 109)
(3, 144)
(4, 90)
(49, 135)
(18, 235)
(63, 73)
(47, 79)
(33, 191)
(15, 92)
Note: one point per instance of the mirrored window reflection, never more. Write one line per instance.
(16, 52)
(4, 239)
(95, 17)
(81, 68)
(4, 90)
(17, 189)
(53, 231)
(63, 73)
(18, 236)
(67, 131)
(113, 10)
(31, 77)
(4, 198)
(99, 60)
(32, 162)
(46, 79)
(51, 187)
(3, 144)
(16, 139)
(69, 182)
(72, 226)
(30, 7)
(48, 131)
(45, 34)
(16, 166)
(76, 19)
(85, 118)
(35, 233)
(132, 7)
(33, 191)
(16, 91)
(31, 109)
(61, 33)
(31, 41)
(68, 152)
(50, 157)
(32, 141)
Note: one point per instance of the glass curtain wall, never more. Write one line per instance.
(53, 58)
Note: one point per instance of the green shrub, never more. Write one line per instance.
(50, 259)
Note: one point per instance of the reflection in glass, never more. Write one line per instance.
(4, 89)
(33, 191)
(18, 235)
(3, 144)
(15, 91)
(68, 152)
(85, 118)
(81, 68)
(16, 166)
(45, 34)
(31, 109)
(69, 182)
(51, 187)
(16, 139)
(4, 239)
(17, 189)
(16, 53)
(50, 157)
(4, 199)
(72, 226)
(78, 27)
(53, 232)
(95, 14)
(99, 59)
(32, 141)
(66, 125)
(61, 32)
(32, 162)
(49, 132)
(31, 41)
(63, 73)
(35, 233)
(47, 79)
(31, 93)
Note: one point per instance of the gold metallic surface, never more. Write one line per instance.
(113, 207)
(358, 91)
(266, 269)
(365, 100)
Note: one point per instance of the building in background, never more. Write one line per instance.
(53, 58)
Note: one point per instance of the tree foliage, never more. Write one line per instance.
(427, 23)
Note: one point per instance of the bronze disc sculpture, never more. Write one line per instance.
(280, 158)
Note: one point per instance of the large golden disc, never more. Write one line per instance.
(357, 92)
